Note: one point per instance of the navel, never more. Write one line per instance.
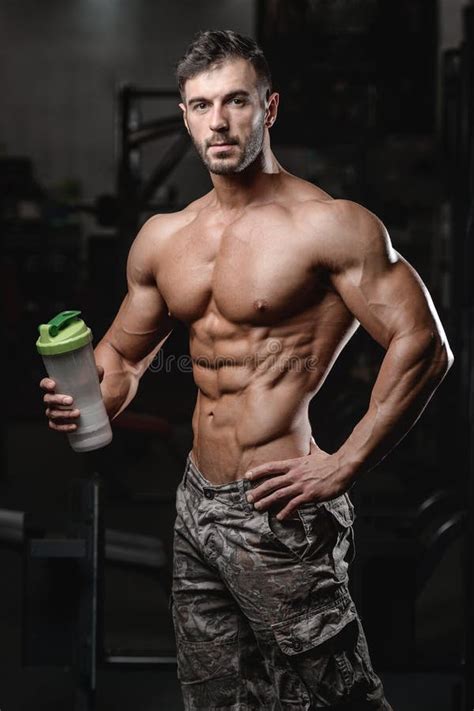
(260, 304)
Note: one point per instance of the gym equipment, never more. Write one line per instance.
(134, 192)
(63, 587)
(64, 559)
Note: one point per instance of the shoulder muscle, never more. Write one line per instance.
(356, 240)
(378, 286)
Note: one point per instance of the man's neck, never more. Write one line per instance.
(253, 185)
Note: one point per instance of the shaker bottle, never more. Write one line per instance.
(65, 343)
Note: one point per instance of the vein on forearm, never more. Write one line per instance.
(413, 367)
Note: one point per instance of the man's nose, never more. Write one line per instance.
(219, 120)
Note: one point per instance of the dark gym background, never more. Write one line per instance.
(377, 99)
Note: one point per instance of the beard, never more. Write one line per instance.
(232, 161)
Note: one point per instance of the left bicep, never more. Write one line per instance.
(385, 294)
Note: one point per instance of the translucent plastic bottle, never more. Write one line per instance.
(65, 344)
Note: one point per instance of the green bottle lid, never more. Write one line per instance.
(64, 333)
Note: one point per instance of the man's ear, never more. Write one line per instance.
(183, 109)
(271, 111)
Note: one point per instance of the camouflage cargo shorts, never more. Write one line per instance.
(262, 613)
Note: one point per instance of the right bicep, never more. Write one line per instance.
(141, 326)
(142, 323)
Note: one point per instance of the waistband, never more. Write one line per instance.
(233, 493)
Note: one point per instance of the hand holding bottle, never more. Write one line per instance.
(73, 396)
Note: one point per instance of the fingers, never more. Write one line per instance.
(47, 384)
(262, 490)
(279, 496)
(268, 468)
(58, 400)
(62, 427)
(53, 398)
(62, 420)
(291, 506)
(62, 417)
(62, 414)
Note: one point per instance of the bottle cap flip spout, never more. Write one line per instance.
(64, 333)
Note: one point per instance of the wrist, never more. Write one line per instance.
(350, 466)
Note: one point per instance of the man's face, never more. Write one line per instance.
(224, 112)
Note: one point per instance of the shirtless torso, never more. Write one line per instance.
(265, 322)
(272, 278)
(261, 292)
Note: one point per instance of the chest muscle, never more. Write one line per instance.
(257, 278)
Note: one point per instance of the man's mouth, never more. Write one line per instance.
(222, 145)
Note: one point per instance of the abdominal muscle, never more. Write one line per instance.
(248, 414)
(255, 383)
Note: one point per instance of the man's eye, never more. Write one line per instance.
(200, 107)
(237, 101)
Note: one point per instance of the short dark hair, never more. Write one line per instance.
(214, 47)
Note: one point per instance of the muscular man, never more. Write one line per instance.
(272, 278)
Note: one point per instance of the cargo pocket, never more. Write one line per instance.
(289, 534)
(331, 523)
(310, 630)
(323, 648)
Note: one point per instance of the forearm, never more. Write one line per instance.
(411, 371)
